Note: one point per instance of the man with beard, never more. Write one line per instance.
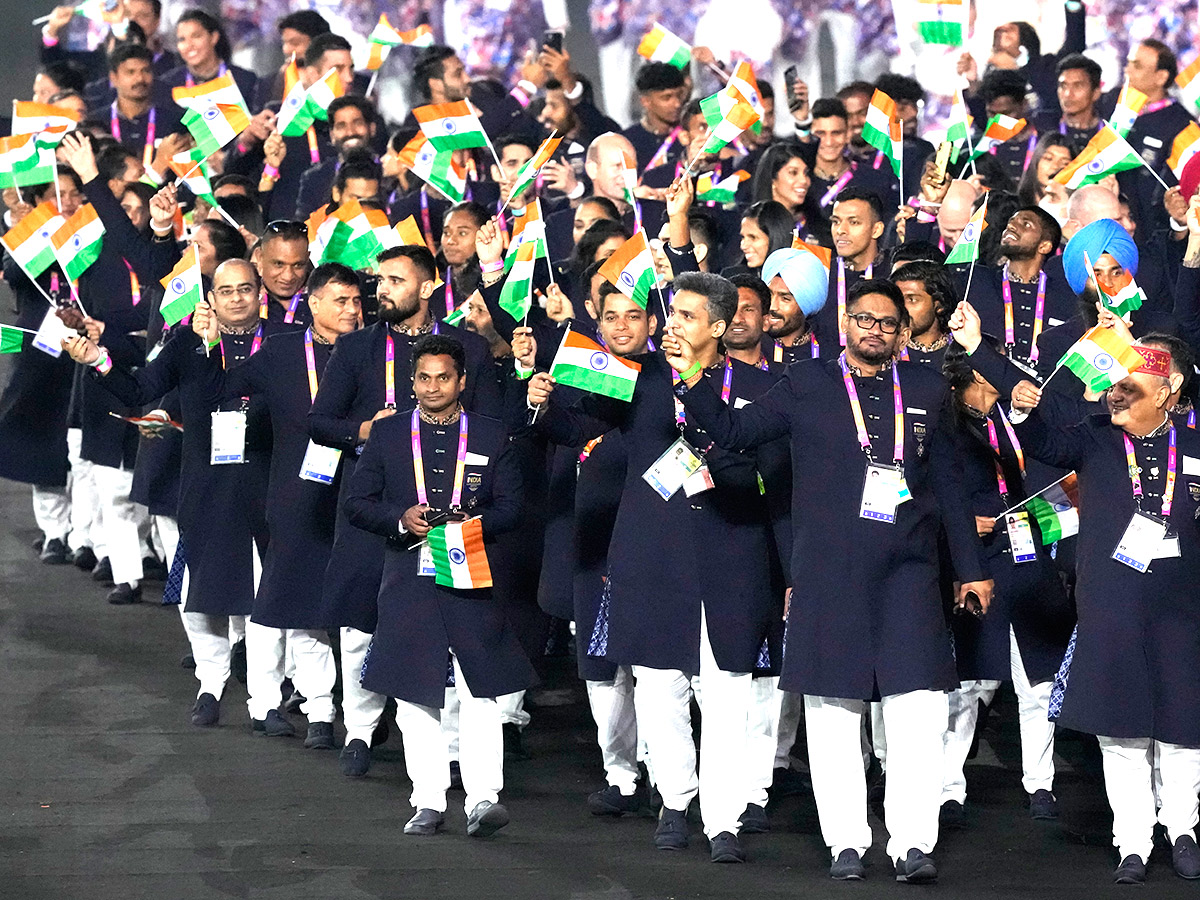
(930, 298)
(364, 381)
(798, 282)
(281, 258)
(351, 128)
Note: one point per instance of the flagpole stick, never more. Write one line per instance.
(40, 20)
(495, 156)
(224, 215)
(17, 328)
(371, 83)
(1032, 496)
(57, 192)
(1157, 177)
(78, 300)
(970, 274)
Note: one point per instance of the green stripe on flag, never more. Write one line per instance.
(1048, 521)
(11, 340)
(941, 32)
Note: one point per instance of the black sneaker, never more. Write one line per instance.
(274, 725)
(293, 703)
(320, 736)
(206, 712)
(102, 572)
(847, 867)
(84, 558)
(425, 823)
(726, 848)
(672, 830)
(514, 746)
(125, 594)
(54, 553)
(1185, 857)
(916, 868)
(1131, 870)
(1043, 805)
(486, 819)
(951, 815)
(754, 820)
(611, 802)
(355, 758)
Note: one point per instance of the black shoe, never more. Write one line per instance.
(237, 660)
(455, 776)
(1043, 805)
(379, 736)
(425, 823)
(293, 703)
(951, 815)
(1131, 870)
(611, 802)
(187, 661)
(125, 594)
(754, 820)
(54, 553)
(726, 848)
(274, 725)
(486, 819)
(355, 758)
(154, 569)
(514, 746)
(847, 867)
(916, 868)
(102, 572)
(84, 558)
(672, 830)
(206, 712)
(786, 782)
(1185, 857)
(320, 736)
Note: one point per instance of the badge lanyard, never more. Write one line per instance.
(1029, 152)
(860, 424)
(1039, 313)
(727, 381)
(664, 149)
(588, 448)
(836, 188)
(290, 316)
(993, 439)
(1062, 128)
(254, 345)
(425, 222)
(449, 293)
(1136, 479)
(680, 412)
(841, 294)
(814, 348)
(389, 375)
(459, 467)
(310, 360)
(191, 82)
(1191, 423)
(314, 151)
(135, 288)
(148, 148)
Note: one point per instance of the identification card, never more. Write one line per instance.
(1168, 547)
(50, 334)
(884, 489)
(698, 482)
(228, 437)
(1020, 537)
(320, 463)
(425, 564)
(1140, 543)
(673, 468)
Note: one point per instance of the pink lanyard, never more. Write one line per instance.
(841, 294)
(994, 440)
(860, 424)
(135, 288)
(449, 293)
(254, 345)
(727, 381)
(660, 155)
(389, 375)
(191, 82)
(148, 148)
(311, 361)
(425, 223)
(1029, 152)
(459, 467)
(836, 188)
(1155, 106)
(1039, 312)
(1168, 488)
(290, 316)
(814, 351)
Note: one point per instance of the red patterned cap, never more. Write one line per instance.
(1158, 362)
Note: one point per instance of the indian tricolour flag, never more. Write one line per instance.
(25, 160)
(294, 117)
(1056, 509)
(959, 130)
(582, 363)
(222, 89)
(215, 125)
(942, 21)
(31, 117)
(28, 242)
(882, 129)
(183, 290)
(527, 173)
(436, 167)
(1189, 84)
(409, 232)
(78, 241)
(459, 557)
(1185, 146)
(745, 83)
(529, 227)
(1101, 358)
(1123, 296)
(660, 45)
(631, 269)
(517, 294)
(1129, 105)
(458, 315)
(1105, 154)
(321, 93)
(189, 166)
(999, 130)
(966, 248)
(728, 114)
(723, 191)
(450, 126)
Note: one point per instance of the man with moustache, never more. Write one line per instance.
(929, 296)
(281, 258)
(798, 282)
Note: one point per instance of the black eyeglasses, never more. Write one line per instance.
(866, 322)
(286, 226)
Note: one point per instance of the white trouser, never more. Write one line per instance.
(512, 709)
(915, 724)
(450, 722)
(1037, 730)
(878, 743)
(85, 507)
(266, 653)
(52, 512)
(361, 709)
(168, 534)
(209, 638)
(791, 711)
(665, 720)
(960, 732)
(616, 728)
(123, 520)
(762, 739)
(425, 755)
(1129, 764)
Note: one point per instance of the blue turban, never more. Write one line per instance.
(803, 273)
(1102, 236)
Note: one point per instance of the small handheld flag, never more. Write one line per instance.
(966, 249)
(459, 557)
(78, 242)
(183, 290)
(450, 126)
(882, 129)
(660, 45)
(215, 125)
(1101, 358)
(631, 269)
(28, 242)
(582, 363)
(1105, 154)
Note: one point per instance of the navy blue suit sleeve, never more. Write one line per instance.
(999, 371)
(504, 511)
(767, 418)
(1187, 305)
(1056, 446)
(151, 381)
(488, 398)
(966, 552)
(365, 505)
(329, 421)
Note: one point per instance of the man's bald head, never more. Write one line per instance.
(1090, 204)
(957, 207)
(233, 271)
(606, 158)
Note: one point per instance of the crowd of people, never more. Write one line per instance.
(793, 492)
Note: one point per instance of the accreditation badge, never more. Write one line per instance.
(425, 566)
(320, 463)
(884, 489)
(1020, 537)
(1142, 541)
(228, 437)
(673, 468)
